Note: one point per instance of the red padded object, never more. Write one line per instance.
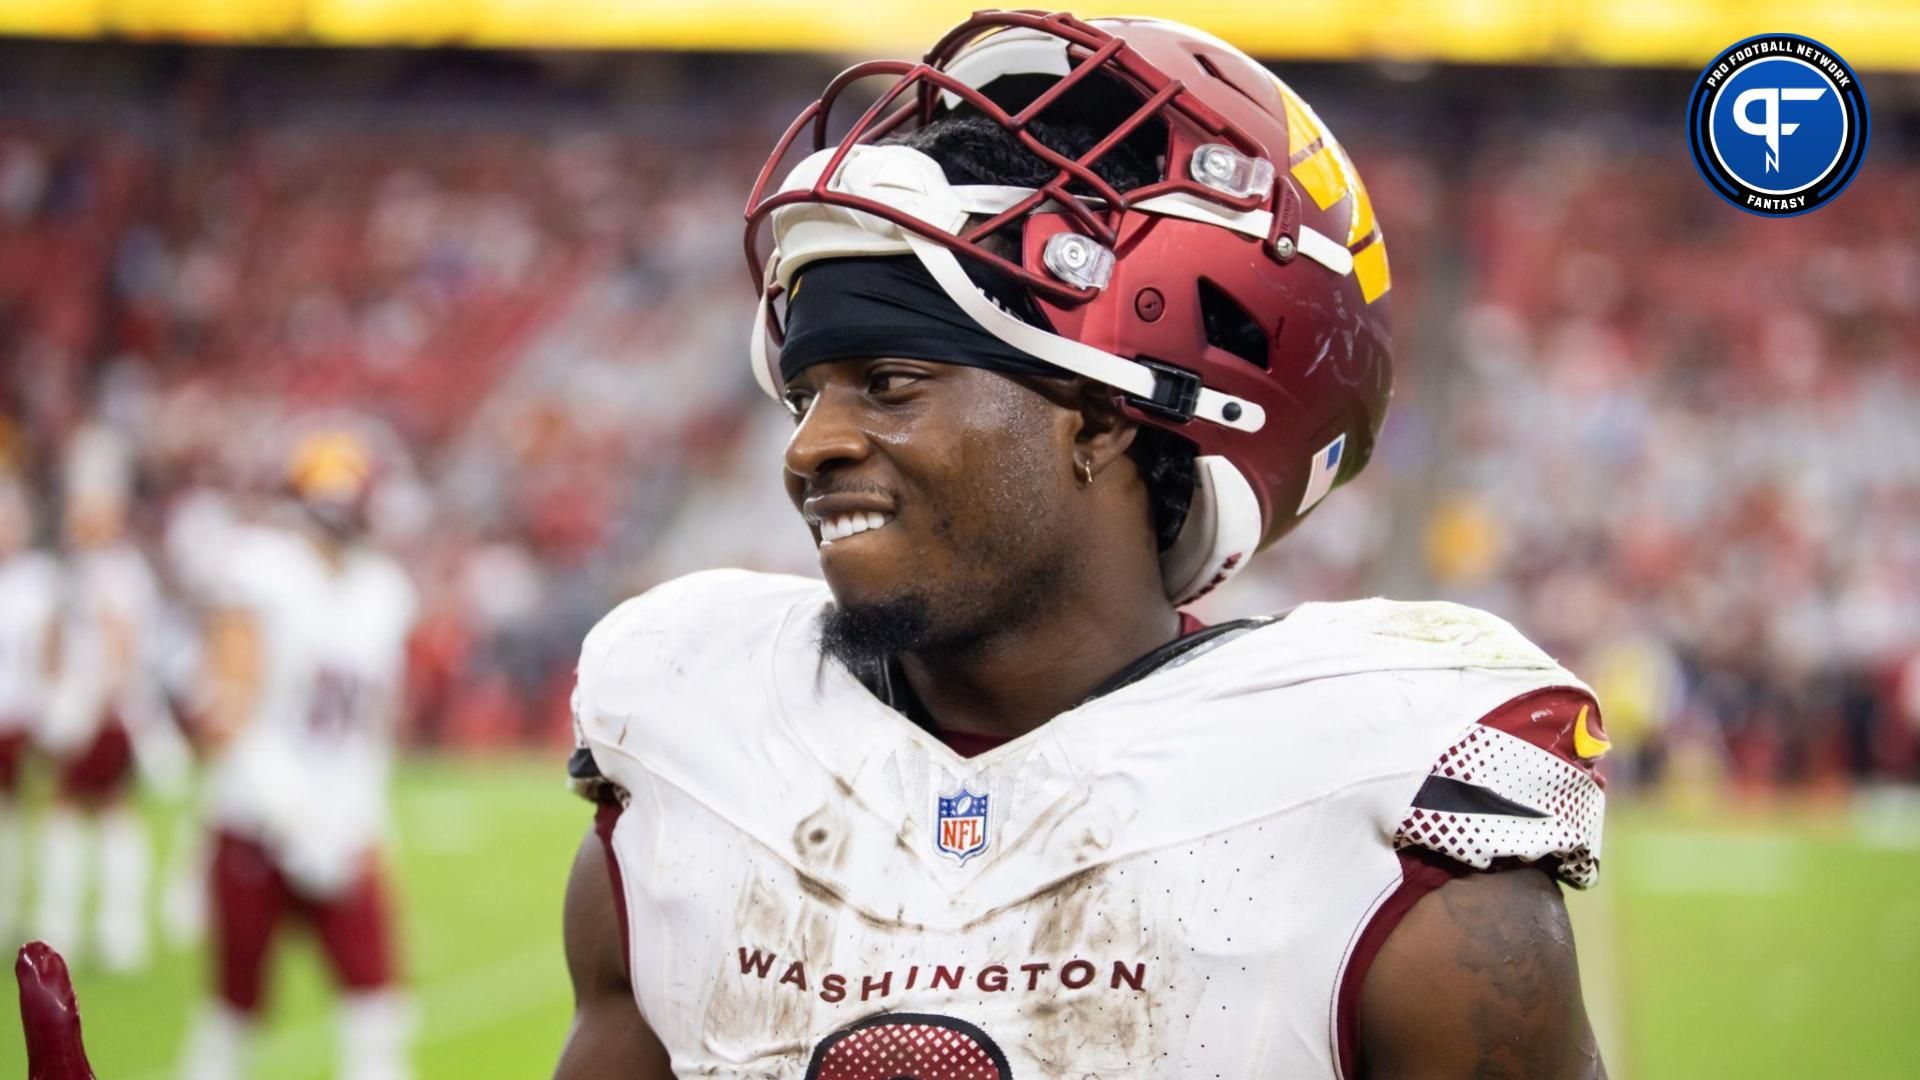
(49, 1016)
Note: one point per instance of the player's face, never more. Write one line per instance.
(342, 519)
(932, 484)
(93, 522)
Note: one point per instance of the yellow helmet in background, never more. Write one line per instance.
(331, 465)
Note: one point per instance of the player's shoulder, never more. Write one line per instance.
(1481, 672)
(265, 548)
(1419, 633)
(35, 569)
(383, 573)
(262, 562)
(120, 572)
(1438, 658)
(711, 611)
(682, 648)
(689, 635)
(1494, 745)
(1509, 746)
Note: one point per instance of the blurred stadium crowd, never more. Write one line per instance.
(1679, 446)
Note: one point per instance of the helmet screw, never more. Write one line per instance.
(1150, 305)
(1231, 410)
(1284, 247)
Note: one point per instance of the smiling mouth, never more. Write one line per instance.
(842, 526)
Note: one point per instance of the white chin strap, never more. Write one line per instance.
(1223, 523)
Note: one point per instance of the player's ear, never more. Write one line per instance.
(1087, 419)
(1105, 433)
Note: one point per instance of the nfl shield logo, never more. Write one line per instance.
(960, 825)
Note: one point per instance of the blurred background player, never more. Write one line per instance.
(104, 710)
(29, 602)
(305, 657)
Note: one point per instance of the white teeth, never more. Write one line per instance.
(841, 526)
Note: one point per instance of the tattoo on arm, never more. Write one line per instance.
(1480, 981)
(1522, 952)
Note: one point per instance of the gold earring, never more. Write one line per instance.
(1086, 471)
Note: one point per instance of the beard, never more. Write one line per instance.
(865, 637)
(954, 622)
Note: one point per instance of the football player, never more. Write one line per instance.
(29, 604)
(305, 655)
(1073, 321)
(104, 712)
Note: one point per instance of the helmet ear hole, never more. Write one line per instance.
(1229, 327)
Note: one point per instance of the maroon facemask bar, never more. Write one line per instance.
(1093, 52)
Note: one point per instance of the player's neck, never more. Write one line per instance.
(1011, 683)
(331, 549)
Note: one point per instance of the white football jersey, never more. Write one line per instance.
(1167, 881)
(29, 602)
(103, 586)
(308, 773)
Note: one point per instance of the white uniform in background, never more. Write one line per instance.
(307, 777)
(197, 544)
(299, 798)
(29, 603)
(103, 712)
(1184, 877)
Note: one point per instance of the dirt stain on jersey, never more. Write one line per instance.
(752, 1017)
(1058, 913)
(820, 840)
(1086, 1036)
(828, 893)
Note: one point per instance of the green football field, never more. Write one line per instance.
(1753, 945)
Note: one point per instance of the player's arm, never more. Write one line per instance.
(117, 631)
(1479, 980)
(234, 665)
(608, 1040)
(51, 639)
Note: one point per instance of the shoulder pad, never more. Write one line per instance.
(43, 567)
(1465, 635)
(638, 660)
(255, 572)
(1520, 785)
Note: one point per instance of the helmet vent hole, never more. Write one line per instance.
(1229, 327)
(1208, 66)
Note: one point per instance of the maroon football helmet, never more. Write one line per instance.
(1239, 301)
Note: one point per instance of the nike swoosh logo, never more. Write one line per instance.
(1584, 743)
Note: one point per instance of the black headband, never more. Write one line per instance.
(857, 308)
